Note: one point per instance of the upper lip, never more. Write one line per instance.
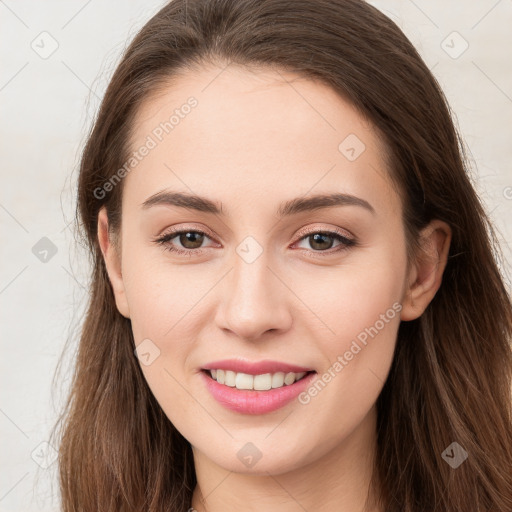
(255, 368)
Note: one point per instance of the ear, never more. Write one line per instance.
(113, 263)
(426, 271)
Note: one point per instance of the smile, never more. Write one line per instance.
(241, 394)
(262, 382)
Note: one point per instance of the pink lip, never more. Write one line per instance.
(259, 368)
(255, 402)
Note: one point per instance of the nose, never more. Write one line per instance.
(254, 300)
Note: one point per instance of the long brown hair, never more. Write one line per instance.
(450, 380)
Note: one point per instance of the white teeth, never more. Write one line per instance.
(278, 380)
(261, 382)
(229, 378)
(244, 381)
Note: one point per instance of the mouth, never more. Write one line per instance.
(260, 382)
(244, 393)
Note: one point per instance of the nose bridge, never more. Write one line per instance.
(250, 280)
(253, 298)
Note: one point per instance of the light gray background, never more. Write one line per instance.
(47, 107)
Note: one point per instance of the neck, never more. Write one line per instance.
(337, 481)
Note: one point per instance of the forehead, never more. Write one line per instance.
(261, 135)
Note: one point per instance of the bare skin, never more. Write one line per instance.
(254, 141)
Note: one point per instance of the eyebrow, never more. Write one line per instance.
(288, 208)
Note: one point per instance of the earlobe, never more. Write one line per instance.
(112, 263)
(426, 273)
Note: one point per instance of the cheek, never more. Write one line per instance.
(362, 312)
(363, 316)
(162, 301)
(161, 296)
(353, 297)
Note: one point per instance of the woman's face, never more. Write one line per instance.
(259, 285)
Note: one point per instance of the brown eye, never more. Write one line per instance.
(186, 241)
(191, 239)
(321, 241)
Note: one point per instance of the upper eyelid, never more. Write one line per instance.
(177, 231)
(303, 232)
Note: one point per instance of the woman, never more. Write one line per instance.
(295, 299)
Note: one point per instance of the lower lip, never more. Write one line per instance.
(255, 402)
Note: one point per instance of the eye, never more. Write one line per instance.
(190, 240)
(322, 241)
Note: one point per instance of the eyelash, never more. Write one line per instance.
(165, 239)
